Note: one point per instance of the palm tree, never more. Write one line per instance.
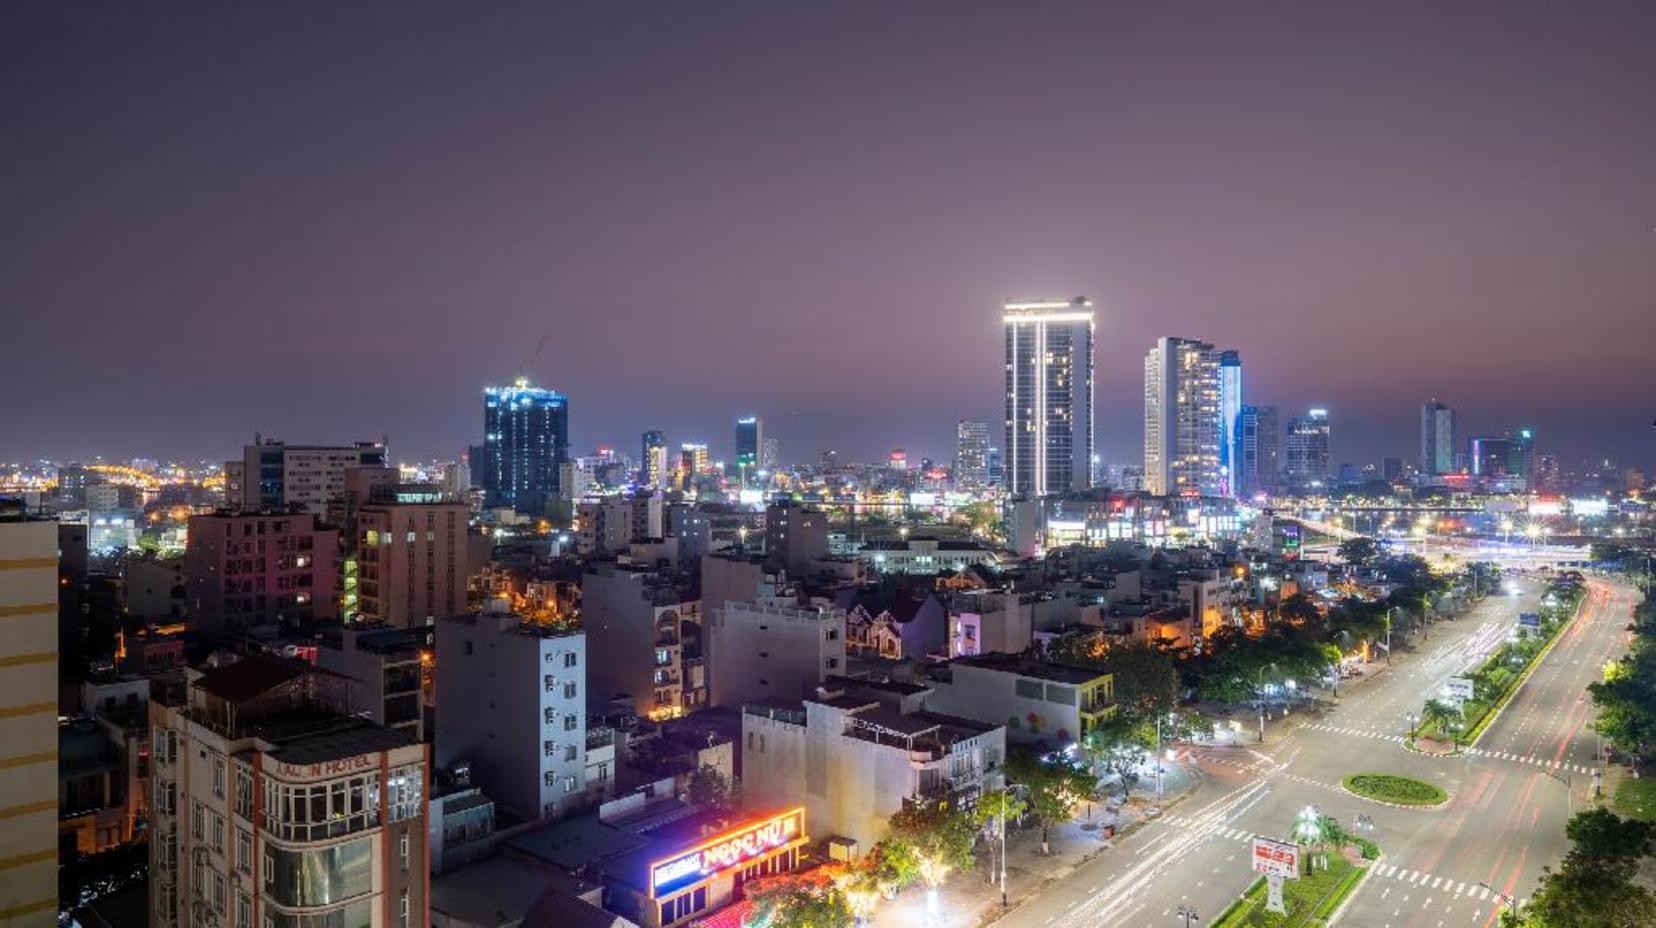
(1439, 714)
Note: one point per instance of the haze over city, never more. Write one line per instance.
(746, 464)
(217, 215)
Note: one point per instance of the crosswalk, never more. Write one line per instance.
(1428, 881)
(1532, 760)
(1356, 732)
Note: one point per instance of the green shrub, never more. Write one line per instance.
(1387, 787)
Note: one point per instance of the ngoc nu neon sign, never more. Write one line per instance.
(728, 851)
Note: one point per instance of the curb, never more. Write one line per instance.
(1356, 887)
(1495, 714)
(1448, 797)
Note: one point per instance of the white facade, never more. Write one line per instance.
(28, 724)
(1035, 700)
(511, 700)
(760, 652)
(1182, 419)
(854, 762)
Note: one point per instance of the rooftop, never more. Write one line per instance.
(1031, 667)
(363, 737)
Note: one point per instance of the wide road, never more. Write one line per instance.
(1503, 823)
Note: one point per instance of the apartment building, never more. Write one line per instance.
(763, 651)
(511, 706)
(273, 807)
(855, 753)
(28, 719)
(649, 629)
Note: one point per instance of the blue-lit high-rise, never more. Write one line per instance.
(525, 441)
(1230, 416)
(750, 439)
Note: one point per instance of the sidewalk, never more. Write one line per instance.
(973, 898)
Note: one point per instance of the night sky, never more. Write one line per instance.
(335, 221)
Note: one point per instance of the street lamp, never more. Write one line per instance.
(1414, 722)
(1189, 915)
(1510, 902)
(1569, 792)
(1262, 702)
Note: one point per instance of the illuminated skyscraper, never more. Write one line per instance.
(1049, 385)
(653, 470)
(525, 442)
(1521, 455)
(971, 459)
(1230, 414)
(750, 440)
(1183, 431)
(1305, 453)
(1259, 458)
(1437, 439)
(694, 461)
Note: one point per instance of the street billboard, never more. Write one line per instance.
(1459, 688)
(1270, 856)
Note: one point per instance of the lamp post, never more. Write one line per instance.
(1506, 900)
(1189, 915)
(1003, 850)
(1414, 722)
(1569, 792)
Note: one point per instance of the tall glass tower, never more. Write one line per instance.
(653, 473)
(1049, 387)
(525, 442)
(1184, 432)
(1230, 420)
(750, 441)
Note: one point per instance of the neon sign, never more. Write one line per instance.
(728, 851)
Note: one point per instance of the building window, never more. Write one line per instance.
(569, 690)
(405, 798)
(551, 683)
(569, 659)
(548, 748)
(218, 891)
(198, 820)
(570, 722)
(244, 851)
(405, 847)
(569, 752)
(569, 784)
(218, 833)
(244, 911)
(218, 777)
(550, 714)
(402, 910)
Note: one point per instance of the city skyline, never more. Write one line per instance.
(1445, 220)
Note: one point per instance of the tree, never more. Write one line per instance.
(1602, 835)
(1300, 610)
(1595, 885)
(1054, 786)
(1146, 680)
(1359, 551)
(940, 835)
(1001, 805)
(1439, 714)
(795, 902)
(1627, 700)
(709, 787)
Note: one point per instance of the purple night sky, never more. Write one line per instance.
(341, 220)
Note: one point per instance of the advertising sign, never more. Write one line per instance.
(1529, 620)
(1273, 857)
(730, 850)
(1459, 688)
